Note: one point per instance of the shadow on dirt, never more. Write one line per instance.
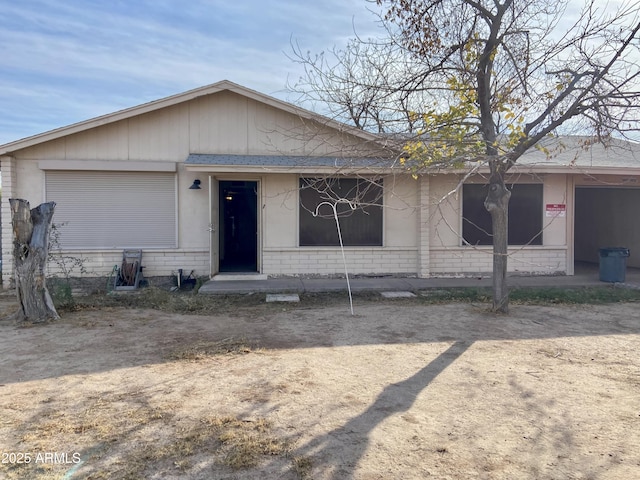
(398, 397)
(112, 338)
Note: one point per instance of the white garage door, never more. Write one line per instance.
(104, 210)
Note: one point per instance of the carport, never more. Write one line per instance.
(606, 216)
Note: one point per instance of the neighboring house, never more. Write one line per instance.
(126, 180)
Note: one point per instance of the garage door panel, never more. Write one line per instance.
(114, 209)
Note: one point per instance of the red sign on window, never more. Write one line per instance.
(556, 210)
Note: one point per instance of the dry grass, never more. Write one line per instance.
(237, 444)
(129, 436)
(99, 422)
(203, 350)
(191, 303)
(302, 467)
(121, 447)
(174, 302)
(244, 443)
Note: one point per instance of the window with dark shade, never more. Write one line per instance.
(525, 215)
(360, 220)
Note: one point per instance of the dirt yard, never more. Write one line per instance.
(398, 391)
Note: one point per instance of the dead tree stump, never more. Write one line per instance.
(30, 252)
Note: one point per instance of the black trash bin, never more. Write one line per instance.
(613, 264)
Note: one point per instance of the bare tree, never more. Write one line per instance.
(463, 82)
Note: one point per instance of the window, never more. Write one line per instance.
(104, 210)
(525, 215)
(361, 226)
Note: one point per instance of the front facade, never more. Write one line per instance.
(223, 180)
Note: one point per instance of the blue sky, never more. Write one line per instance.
(65, 61)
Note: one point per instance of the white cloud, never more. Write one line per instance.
(67, 61)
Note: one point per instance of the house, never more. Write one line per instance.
(223, 179)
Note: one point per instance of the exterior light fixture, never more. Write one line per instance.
(195, 185)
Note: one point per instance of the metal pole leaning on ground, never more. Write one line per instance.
(344, 260)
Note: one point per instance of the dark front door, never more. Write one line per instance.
(238, 226)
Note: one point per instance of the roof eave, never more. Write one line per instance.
(319, 170)
(557, 169)
(310, 170)
(580, 169)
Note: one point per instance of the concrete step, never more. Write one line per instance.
(224, 277)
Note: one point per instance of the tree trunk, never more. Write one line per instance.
(30, 252)
(497, 203)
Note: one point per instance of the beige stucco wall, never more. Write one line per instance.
(193, 211)
(283, 256)
(409, 215)
(557, 190)
(449, 256)
(280, 211)
(401, 211)
(29, 182)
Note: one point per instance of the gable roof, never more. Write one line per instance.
(152, 106)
